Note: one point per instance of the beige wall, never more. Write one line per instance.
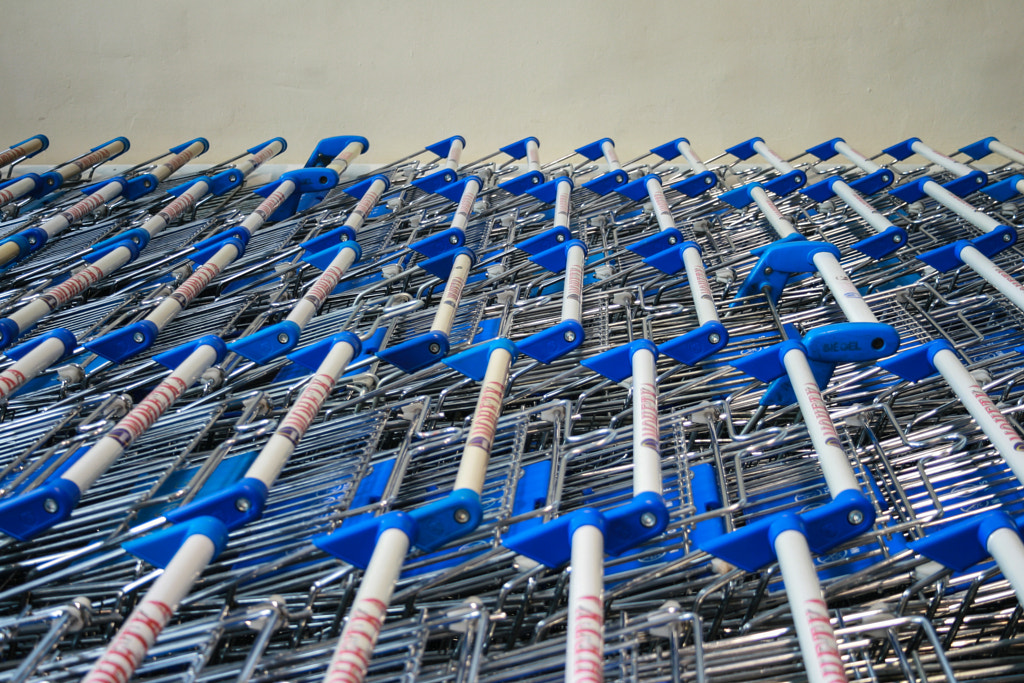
(407, 73)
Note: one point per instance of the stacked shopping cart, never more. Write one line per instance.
(735, 419)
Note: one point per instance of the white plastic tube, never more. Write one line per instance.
(345, 157)
(29, 366)
(843, 289)
(870, 214)
(940, 159)
(584, 648)
(365, 204)
(771, 212)
(129, 647)
(445, 315)
(79, 210)
(572, 293)
(164, 170)
(1006, 151)
(279, 448)
(833, 461)
(646, 431)
(477, 453)
(17, 189)
(995, 425)
(700, 290)
(355, 647)
(253, 161)
(861, 161)
(780, 164)
(562, 193)
(88, 468)
(994, 275)
(610, 156)
(814, 630)
(182, 203)
(12, 154)
(532, 156)
(695, 163)
(451, 162)
(978, 219)
(74, 168)
(306, 307)
(661, 210)
(1005, 546)
(466, 202)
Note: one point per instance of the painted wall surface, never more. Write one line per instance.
(407, 73)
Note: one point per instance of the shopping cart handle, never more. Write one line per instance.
(44, 144)
(698, 344)
(1005, 189)
(548, 192)
(440, 266)
(238, 237)
(355, 540)
(902, 150)
(779, 261)
(522, 183)
(961, 187)
(310, 357)
(321, 260)
(739, 197)
(124, 343)
(617, 364)
(851, 342)
(172, 358)
(555, 258)
(473, 361)
(786, 183)
(595, 150)
(313, 181)
(138, 237)
(671, 260)
(328, 148)
(657, 243)
(916, 363)
(139, 186)
(751, 548)
(443, 147)
(268, 343)
(159, 547)
(454, 191)
(27, 515)
(947, 257)
(234, 505)
(825, 150)
(417, 353)
(545, 241)
(21, 350)
(964, 544)
(744, 150)
(696, 185)
(554, 342)
(637, 189)
(439, 243)
(670, 150)
(624, 528)
(516, 150)
(331, 238)
(603, 184)
(882, 244)
(980, 149)
(435, 181)
(28, 240)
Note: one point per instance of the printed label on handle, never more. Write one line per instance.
(821, 415)
(650, 435)
(83, 208)
(10, 380)
(574, 282)
(306, 408)
(485, 419)
(195, 284)
(148, 411)
(588, 640)
(352, 657)
(90, 160)
(824, 639)
(993, 412)
(130, 645)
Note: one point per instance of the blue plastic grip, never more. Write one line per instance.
(310, 357)
(744, 150)
(124, 343)
(160, 547)
(548, 192)
(964, 544)
(980, 149)
(447, 519)
(473, 361)
(443, 147)
(554, 342)
(617, 364)
(268, 343)
(26, 516)
(416, 353)
(185, 145)
(593, 150)
(697, 344)
(64, 335)
(355, 540)
(172, 358)
(234, 506)
(916, 363)
(517, 150)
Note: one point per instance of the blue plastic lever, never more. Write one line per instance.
(545, 241)
(548, 191)
(314, 181)
(473, 361)
(1005, 189)
(779, 261)
(916, 363)
(947, 257)
(965, 544)
(697, 344)
(126, 342)
(269, 343)
(980, 149)
(234, 505)
(160, 547)
(328, 148)
(617, 364)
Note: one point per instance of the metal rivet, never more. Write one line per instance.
(138, 337)
(323, 179)
(714, 338)
(1007, 238)
(454, 239)
(461, 516)
(769, 270)
(434, 348)
(282, 338)
(569, 336)
(855, 517)
(559, 237)
(897, 238)
(672, 240)
(242, 504)
(50, 505)
(31, 240)
(648, 520)
(708, 180)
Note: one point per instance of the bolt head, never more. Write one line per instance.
(672, 240)
(282, 338)
(559, 238)
(434, 348)
(855, 517)
(569, 336)
(648, 520)
(1007, 238)
(31, 240)
(243, 504)
(897, 238)
(714, 338)
(138, 337)
(461, 516)
(453, 239)
(769, 270)
(50, 505)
